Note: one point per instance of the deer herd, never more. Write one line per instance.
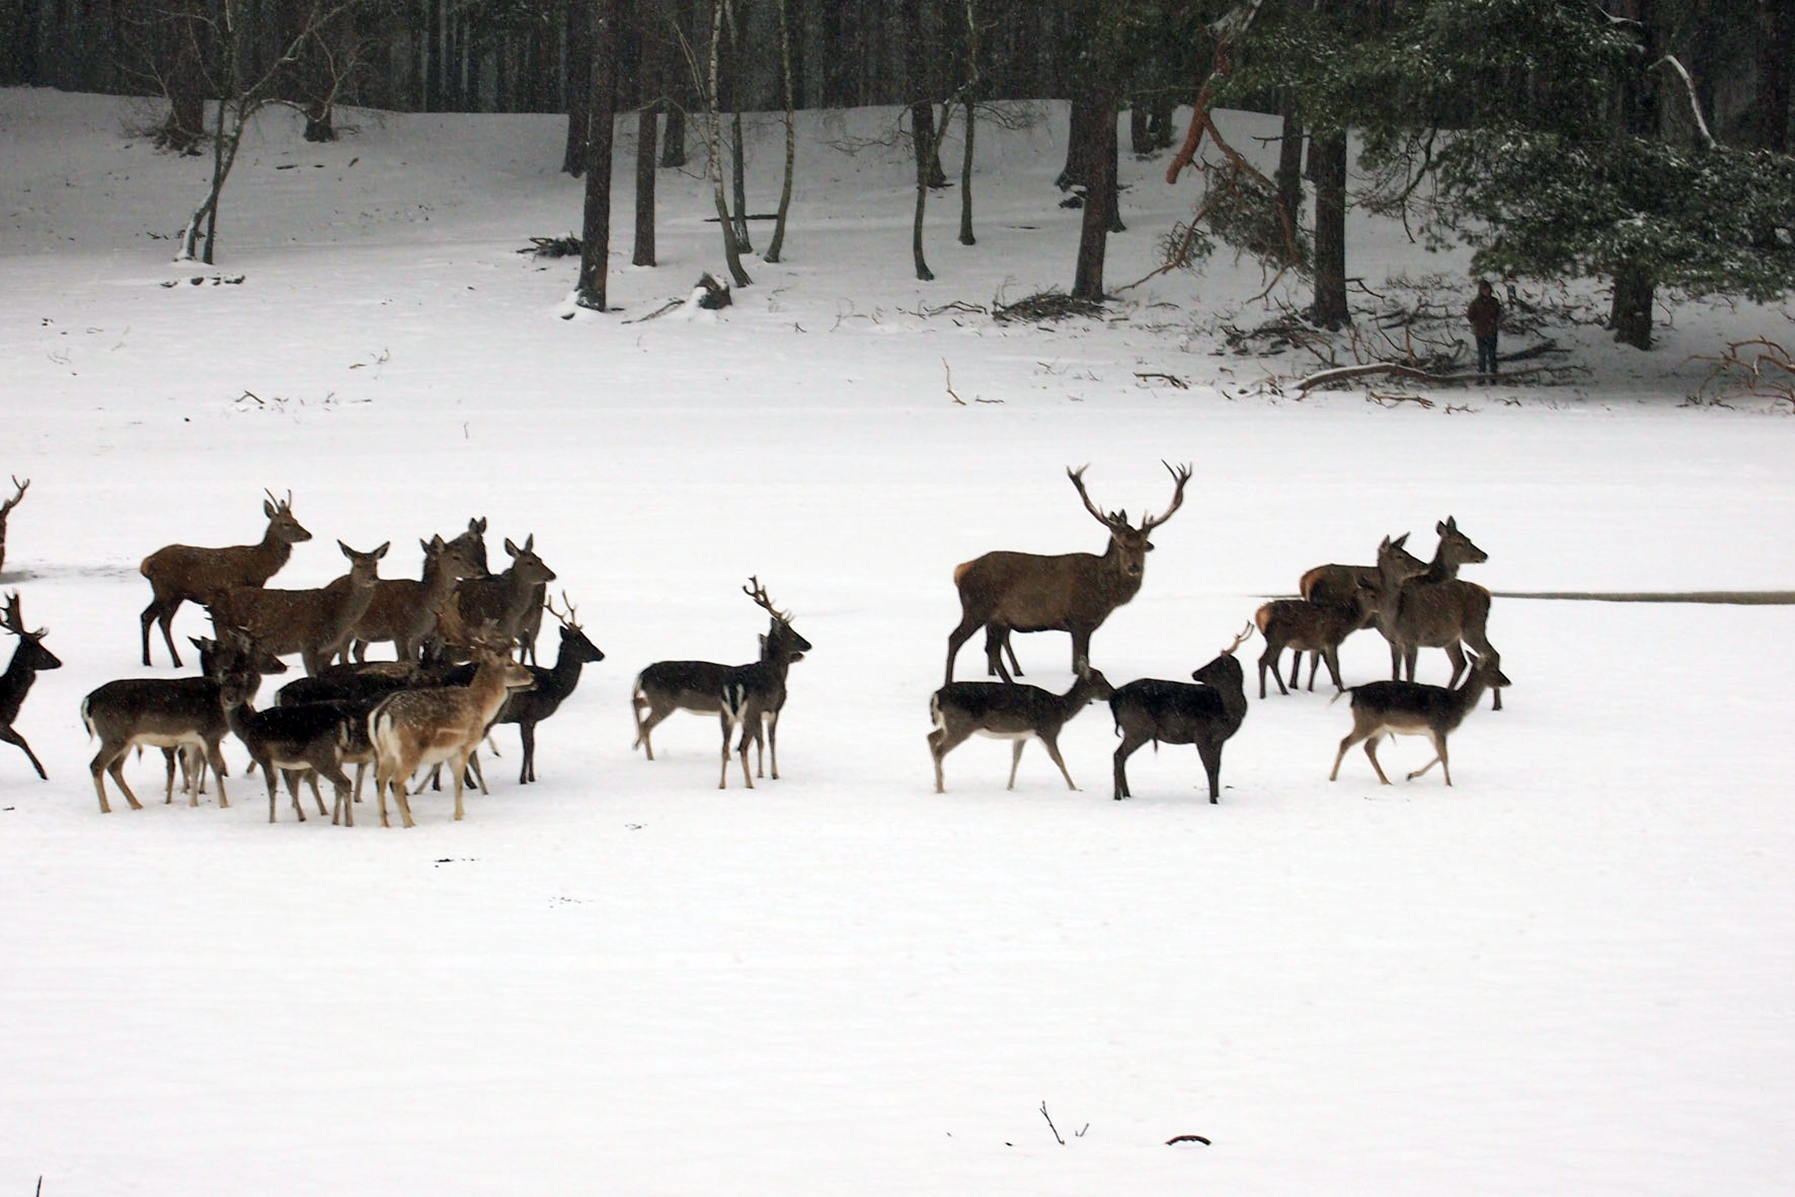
(464, 644)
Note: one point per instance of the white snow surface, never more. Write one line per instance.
(1571, 972)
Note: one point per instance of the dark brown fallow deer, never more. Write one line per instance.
(1007, 591)
(182, 714)
(28, 660)
(1163, 712)
(1009, 711)
(313, 623)
(697, 686)
(1410, 708)
(289, 741)
(6, 510)
(752, 696)
(179, 573)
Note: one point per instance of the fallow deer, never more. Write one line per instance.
(287, 740)
(1007, 591)
(1009, 711)
(178, 573)
(6, 510)
(527, 708)
(668, 686)
(1390, 708)
(312, 623)
(1163, 712)
(28, 660)
(753, 695)
(414, 728)
(404, 611)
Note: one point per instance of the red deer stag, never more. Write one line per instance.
(1388, 708)
(179, 573)
(1009, 711)
(752, 696)
(28, 660)
(1073, 592)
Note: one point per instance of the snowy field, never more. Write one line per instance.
(1572, 972)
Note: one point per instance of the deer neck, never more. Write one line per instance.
(488, 689)
(273, 551)
(1113, 578)
(564, 676)
(438, 584)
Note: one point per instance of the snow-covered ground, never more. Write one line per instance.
(1573, 972)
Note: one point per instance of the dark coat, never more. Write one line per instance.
(1485, 315)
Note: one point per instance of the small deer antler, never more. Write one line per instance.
(1239, 640)
(1180, 475)
(758, 593)
(14, 501)
(283, 504)
(566, 619)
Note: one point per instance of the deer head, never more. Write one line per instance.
(1127, 541)
(280, 518)
(781, 638)
(31, 649)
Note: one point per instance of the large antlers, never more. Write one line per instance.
(1238, 640)
(758, 593)
(1119, 520)
(14, 620)
(566, 618)
(22, 487)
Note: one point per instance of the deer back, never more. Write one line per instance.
(302, 621)
(504, 599)
(1415, 707)
(1007, 709)
(200, 573)
(404, 610)
(420, 727)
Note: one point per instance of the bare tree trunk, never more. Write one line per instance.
(919, 86)
(595, 230)
(682, 88)
(969, 109)
(1327, 170)
(731, 252)
(1290, 162)
(647, 129)
(924, 151)
(1776, 60)
(1099, 102)
(1630, 313)
(579, 89)
(791, 131)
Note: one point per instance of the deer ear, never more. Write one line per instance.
(512, 548)
(267, 509)
(530, 543)
(1400, 541)
(347, 551)
(381, 551)
(478, 527)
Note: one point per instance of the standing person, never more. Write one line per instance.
(1485, 315)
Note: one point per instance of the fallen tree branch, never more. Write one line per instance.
(1397, 369)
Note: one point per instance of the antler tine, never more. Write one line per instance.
(1180, 476)
(759, 595)
(21, 487)
(567, 617)
(14, 620)
(1108, 521)
(1239, 640)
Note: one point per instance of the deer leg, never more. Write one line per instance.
(1016, 760)
(1332, 657)
(643, 727)
(1053, 752)
(1211, 754)
(760, 745)
(399, 796)
(956, 638)
(1009, 648)
(1081, 650)
(1270, 657)
(12, 737)
(1358, 733)
(215, 755)
(274, 795)
(472, 769)
(742, 749)
(773, 742)
(728, 727)
(1439, 743)
(461, 766)
(1409, 656)
(526, 733)
(1129, 744)
(1456, 655)
(1395, 662)
(312, 777)
(1316, 657)
(1371, 751)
